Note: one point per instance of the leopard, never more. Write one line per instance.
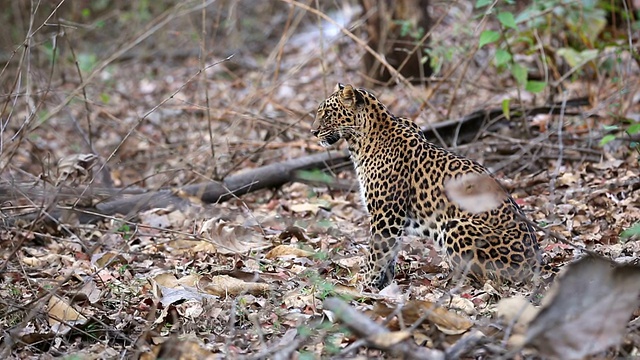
(402, 178)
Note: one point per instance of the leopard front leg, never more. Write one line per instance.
(384, 246)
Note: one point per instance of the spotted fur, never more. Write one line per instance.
(402, 177)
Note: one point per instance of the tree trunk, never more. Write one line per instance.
(396, 30)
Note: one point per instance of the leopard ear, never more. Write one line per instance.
(338, 87)
(347, 95)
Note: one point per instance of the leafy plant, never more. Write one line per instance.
(580, 22)
(633, 231)
(631, 128)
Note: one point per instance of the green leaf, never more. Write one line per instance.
(324, 223)
(506, 109)
(315, 176)
(482, 3)
(574, 58)
(535, 86)
(507, 20)
(633, 129)
(488, 37)
(105, 98)
(632, 231)
(519, 73)
(502, 57)
(610, 127)
(87, 62)
(607, 139)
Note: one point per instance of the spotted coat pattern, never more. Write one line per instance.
(402, 177)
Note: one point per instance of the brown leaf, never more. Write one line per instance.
(520, 312)
(589, 310)
(388, 339)
(227, 238)
(223, 285)
(63, 316)
(175, 348)
(76, 166)
(305, 207)
(475, 193)
(90, 291)
(109, 258)
(445, 320)
(287, 250)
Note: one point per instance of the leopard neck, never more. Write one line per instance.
(369, 129)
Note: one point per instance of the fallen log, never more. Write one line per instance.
(129, 202)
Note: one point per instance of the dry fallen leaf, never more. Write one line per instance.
(169, 289)
(520, 312)
(76, 167)
(165, 279)
(446, 321)
(180, 349)
(90, 291)
(287, 250)
(305, 207)
(226, 238)
(62, 316)
(107, 258)
(589, 310)
(155, 218)
(388, 339)
(223, 285)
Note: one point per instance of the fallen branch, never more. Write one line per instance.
(366, 329)
(130, 202)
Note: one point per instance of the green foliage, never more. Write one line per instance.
(633, 231)
(488, 37)
(581, 24)
(631, 128)
(408, 29)
(535, 86)
(506, 109)
(315, 176)
(126, 230)
(87, 62)
(607, 139)
(439, 55)
(507, 20)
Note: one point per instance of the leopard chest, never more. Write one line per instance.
(423, 219)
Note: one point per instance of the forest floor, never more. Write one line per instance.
(249, 277)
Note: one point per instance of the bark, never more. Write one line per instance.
(396, 30)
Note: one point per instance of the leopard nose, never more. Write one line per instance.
(315, 132)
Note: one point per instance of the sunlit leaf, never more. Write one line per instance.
(633, 129)
(574, 58)
(535, 86)
(502, 57)
(507, 20)
(607, 139)
(519, 73)
(632, 231)
(488, 37)
(506, 109)
(315, 175)
(482, 3)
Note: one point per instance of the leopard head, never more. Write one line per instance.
(336, 117)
